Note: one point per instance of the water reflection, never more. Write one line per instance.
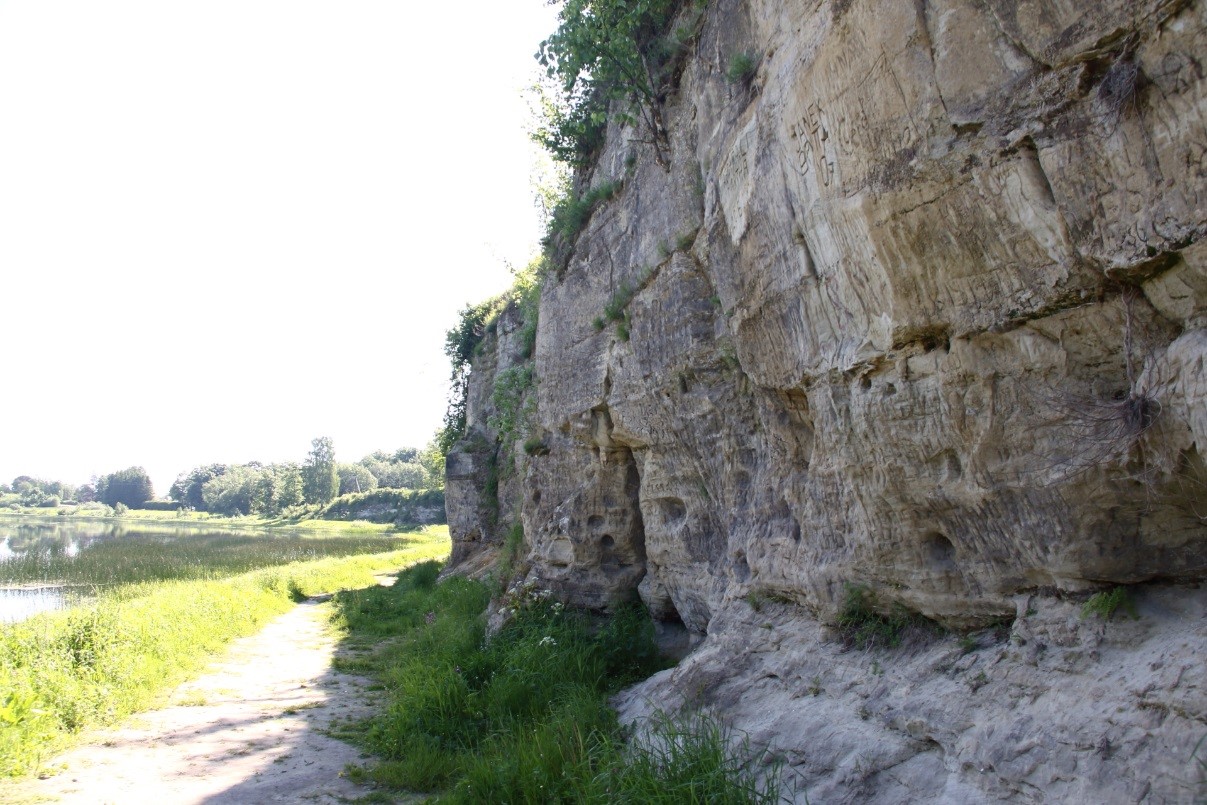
(25, 547)
(18, 604)
(23, 544)
(50, 564)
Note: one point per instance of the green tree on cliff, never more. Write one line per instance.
(604, 51)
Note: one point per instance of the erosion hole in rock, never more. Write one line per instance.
(616, 530)
(536, 497)
(952, 468)
(938, 550)
(669, 614)
(741, 568)
(671, 634)
(673, 510)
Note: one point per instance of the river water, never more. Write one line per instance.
(26, 548)
(56, 562)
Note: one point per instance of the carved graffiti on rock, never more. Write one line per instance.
(811, 133)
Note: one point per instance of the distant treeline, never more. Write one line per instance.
(270, 489)
(252, 488)
(129, 487)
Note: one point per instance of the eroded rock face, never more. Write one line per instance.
(921, 307)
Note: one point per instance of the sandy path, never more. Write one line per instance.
(248, 731)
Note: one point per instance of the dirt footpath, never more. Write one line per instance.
(248, 731)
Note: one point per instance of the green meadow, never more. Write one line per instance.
(151, 607)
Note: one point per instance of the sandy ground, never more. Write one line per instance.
(248, 731)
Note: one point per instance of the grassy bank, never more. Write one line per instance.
(523, 717)
(63, 672)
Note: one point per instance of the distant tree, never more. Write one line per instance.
(229, 493)
(35, 491)
(289, 485)
(320, 480)
(432, 459)
(355, 478)
(408, 475)
(187, 489)
(405, 455)
(131, 487)
(398, 470)
(32, 495)
(85, 494)
(261, 490)
(253, 489)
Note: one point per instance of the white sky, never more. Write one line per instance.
(228, 227)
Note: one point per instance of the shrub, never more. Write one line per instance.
(512, 402)
(526, 295)
(741, 68)
(465, 341)
(461, 344)
(572, 212)
(536, 446)
(862, 625)
(615, 308)
(1105, 604)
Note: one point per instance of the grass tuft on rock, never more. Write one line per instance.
(862, 623)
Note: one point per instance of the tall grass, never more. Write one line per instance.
(140, 557)
(523, 717)
(63, 672)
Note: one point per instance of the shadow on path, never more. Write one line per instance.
(251, 730)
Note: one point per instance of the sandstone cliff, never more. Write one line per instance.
(919, 309)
